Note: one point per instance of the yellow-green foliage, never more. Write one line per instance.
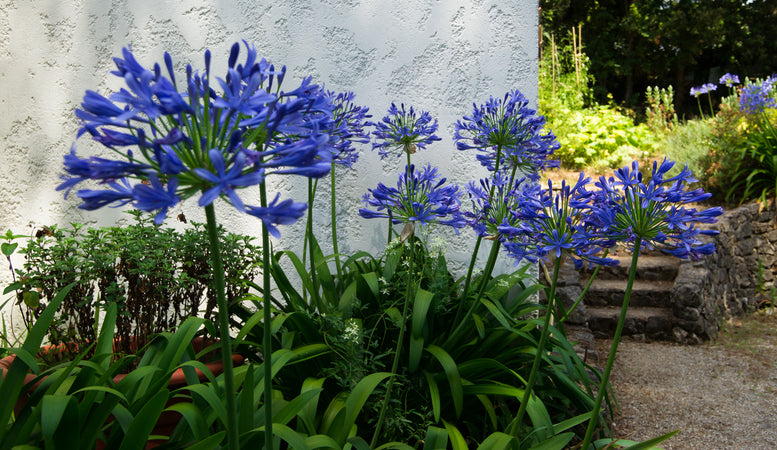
(600, 137)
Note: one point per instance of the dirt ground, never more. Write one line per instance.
(720, 395)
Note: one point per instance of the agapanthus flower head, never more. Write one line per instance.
(559, 225)
(657, 212)
(421, 197)
(729, 79)
(497, 211)
(199, 140)
(758, 97)
(703, 89)
(403, 131)
(508, 134)
(348, 127)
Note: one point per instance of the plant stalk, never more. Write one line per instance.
(267, 334)
(223, 323)
(332, 202)
(535, 368)
(613, 348)
(395, 364)
(490, 264)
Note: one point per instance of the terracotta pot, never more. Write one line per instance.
(167, 421)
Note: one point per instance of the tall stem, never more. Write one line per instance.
(613, 348)
(490, 264)
(223, 324)
(535, 368)
(467, 281)
(400, 339)
(267, 335)
(309, 237)
(332, 202)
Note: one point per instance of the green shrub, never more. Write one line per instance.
(601, 137)
(158, 277)
(689, 142)
(462, 377)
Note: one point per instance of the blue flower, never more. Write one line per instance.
(497, 210)
(508, 134)
(420, 197)
(703, 89)
(199, 141)
(758, 97)
(284, 213)
(654, 211)
(729, 79)
(224, 182)
(348, 127)
(557, 222)
(403, 131)
(120, 194)
(156, 197)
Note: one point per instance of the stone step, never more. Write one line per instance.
(644, 323)
(643, 293)
(649, 268)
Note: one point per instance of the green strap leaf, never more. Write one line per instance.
(457, 440)
(423, 300)
(497, 441)
(59, 422)
(558, 442)
(346, 418)
(452, 374)
(11, 384)
(209, 443)
(144, 422)
(434, 394)
(436, 438)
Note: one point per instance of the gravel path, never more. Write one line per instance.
(719, 395)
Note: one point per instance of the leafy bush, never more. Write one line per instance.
(660, 113)
(463, 376)
(158, 277)
(600, 137)
(591, 135)
(690, 142)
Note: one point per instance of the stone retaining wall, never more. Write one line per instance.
(726, 283)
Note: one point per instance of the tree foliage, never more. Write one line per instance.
(633, 44)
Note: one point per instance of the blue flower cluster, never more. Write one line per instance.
(508, 134)
(420, 197)
(703, 89)
(175, 143)
(758, 97)
(403, 131)
(531, 222)
(658, 212)
(729, 79)
(558, 221)
(349, 126)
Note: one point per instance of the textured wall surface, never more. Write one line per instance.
(438, 56)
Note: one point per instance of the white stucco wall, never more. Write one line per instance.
(439, 56)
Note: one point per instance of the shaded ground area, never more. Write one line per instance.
(720, 395)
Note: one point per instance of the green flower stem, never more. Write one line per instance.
(585, 290)
(333, 203)
(698, 102)
(395, 364)
(535, 368)
(467, 281)
(267, 319)
(309, 237)
(223, 323)
(490, 264)
(613, 349)
(712, 110)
